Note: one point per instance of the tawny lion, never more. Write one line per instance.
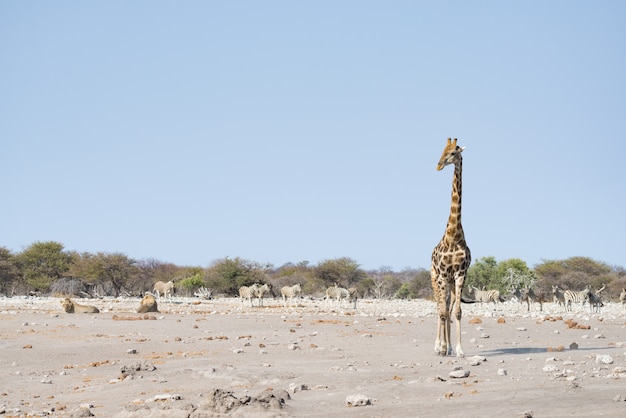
(148, 304)
(72, 307)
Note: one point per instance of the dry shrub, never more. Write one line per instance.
(475, 321)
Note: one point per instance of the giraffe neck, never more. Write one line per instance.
(454, 230)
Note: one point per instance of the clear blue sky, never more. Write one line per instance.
(284, 131)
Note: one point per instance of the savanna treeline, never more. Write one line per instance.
(47, 268)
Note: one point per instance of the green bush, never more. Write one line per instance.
(192, 283)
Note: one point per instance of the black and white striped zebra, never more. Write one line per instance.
(491, 295)
(290, 292)
(531, 296)
(517, 294)
(247, 292)
(558, 297)
(257, 291)
(595, 300)
(340, 294)
(261, 290)
(571, 296)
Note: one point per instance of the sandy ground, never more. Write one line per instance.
(214, 358)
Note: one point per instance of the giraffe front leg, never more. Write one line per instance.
(457, 315)
(459, 349)
(441, 343)
(438, 339)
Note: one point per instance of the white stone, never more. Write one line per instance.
(459, 374)
(604, 359)
(297, 387)
(357, 400)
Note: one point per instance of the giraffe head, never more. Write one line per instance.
(451, 154)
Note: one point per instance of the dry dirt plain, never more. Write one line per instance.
(213, 358)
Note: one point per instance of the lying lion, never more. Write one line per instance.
(72, 307)
(148, 304)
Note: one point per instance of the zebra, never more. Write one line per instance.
(622, 297)
(290, 292)
(339, 293)
(529, 295)
(595, 300)
(571, 296)
(558, 296)
(163, 288)
(492, 295)
(261, 290)
(517, 293)
(353, 295)
(248, 292)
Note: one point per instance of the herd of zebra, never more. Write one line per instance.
(258, 291)
(561, 298)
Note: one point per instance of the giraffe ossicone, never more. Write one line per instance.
(450, 259)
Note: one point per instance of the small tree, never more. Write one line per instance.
(482, 273)
(43, 263)
(192, 283)
(9, 273)
(342, 271)
(228, 275)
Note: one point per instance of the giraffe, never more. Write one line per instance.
(450, 260)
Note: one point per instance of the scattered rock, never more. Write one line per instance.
(604, 359)
(81, 412)
(502, 372)
(225, 402)
(476, 360)
(166, 397)
(459, 374)
(550, 368)
(357, 400)
(297, 387)
(573, 346)
(130, 371)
